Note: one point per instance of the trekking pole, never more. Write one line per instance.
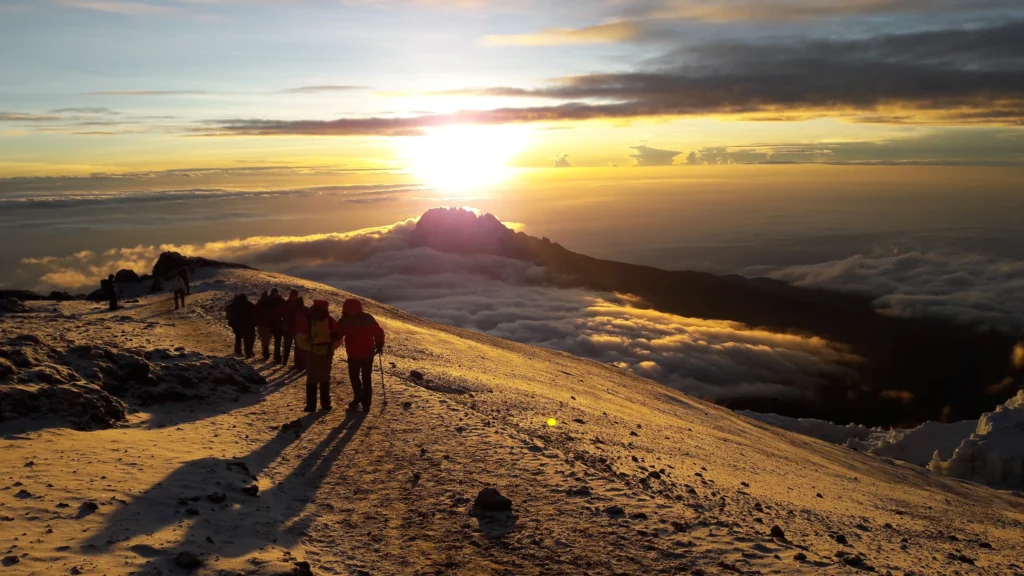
(382, 385)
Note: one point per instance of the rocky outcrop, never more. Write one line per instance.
(170, 262)
(88, 387)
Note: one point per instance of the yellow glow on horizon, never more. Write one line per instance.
(461, 159)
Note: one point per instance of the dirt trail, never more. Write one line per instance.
(634, 478)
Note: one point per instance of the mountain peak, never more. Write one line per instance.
(462, 231)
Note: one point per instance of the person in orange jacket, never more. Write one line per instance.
(364, 339)
(318, 338)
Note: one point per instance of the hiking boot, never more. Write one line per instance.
(326, 408)
(309, 409)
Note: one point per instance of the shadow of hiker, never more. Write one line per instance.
(185, 510)
(174, 414)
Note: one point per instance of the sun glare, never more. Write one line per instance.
(462, 159)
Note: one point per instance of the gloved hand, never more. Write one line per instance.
(380, 349)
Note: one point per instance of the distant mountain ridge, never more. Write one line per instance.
(952, 371)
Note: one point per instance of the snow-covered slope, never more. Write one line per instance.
(635, 478)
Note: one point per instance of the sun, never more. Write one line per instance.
(461, 159)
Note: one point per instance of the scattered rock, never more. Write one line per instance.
(633, 433)
(251, 490)
(800, 557)
(579, 420)
(406, 405)
(778, 532)
(23, 494)
(217, 497)
(580, 491)
(416, 375)
(840, 539)
(961, 557)
(985, 545)
(615, 511)
(11, 560)
(854, 560)
(303, 568)
(654, 475)
(87, 508)
(188, 560)
(492, 500)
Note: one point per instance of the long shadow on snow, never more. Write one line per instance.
(174, 414)
(241, 524)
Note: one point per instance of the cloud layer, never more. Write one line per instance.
(972, 289)
(516, 300)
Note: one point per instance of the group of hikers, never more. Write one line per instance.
(315, 335)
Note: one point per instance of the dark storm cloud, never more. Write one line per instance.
(953, 76)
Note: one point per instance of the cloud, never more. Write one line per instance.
(790, 10)
(321, 89)
(968, 288)
(563, 161)
(952, 76)
(146, 93)
(517, 300)
(113, 7)
(87, 110)
(610, 32)
(647, 156)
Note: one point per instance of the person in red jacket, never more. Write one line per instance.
(363, 338)
(318, 338)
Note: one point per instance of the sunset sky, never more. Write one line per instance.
(456, 91)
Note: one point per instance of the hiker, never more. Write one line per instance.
(275, 310)
(180, 288)
(263, 323)
(288, 310)
(364, 339)
(183, 273)
(110, 291)
(242, 320)
(318, 338)
(301, 317)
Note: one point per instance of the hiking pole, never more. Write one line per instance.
(384, 387)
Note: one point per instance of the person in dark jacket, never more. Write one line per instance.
(288, 325)
(301, 319)
(275, 311)
(110, 291)
(318, 337)
(241, 315)
(364, 339)
(263, 323)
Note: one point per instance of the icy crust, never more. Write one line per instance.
(994, 453)
(89, 387)
(989, 450)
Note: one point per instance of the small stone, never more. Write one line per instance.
(615, 510)
(492, 499)
(800, 557)
(302, 568)
(654, 475)
(188, 561)
(416, 375)
(633, 433)
(778, 532)
(23, 494)
(251, 490)
(818, 495)
(217, 497)
(984, 545)
(11, 560)
(840, 539)
(853, 560)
